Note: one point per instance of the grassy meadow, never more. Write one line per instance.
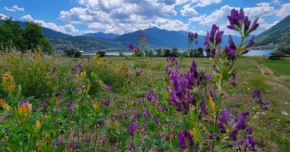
(273, 127)
(41, 84)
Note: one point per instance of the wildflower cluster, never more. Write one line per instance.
(187, 112)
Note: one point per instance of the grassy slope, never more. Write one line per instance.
(280, 67)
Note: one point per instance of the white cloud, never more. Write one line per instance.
(203, 3)
(68, 28)
(219, 17)
(263, 24)
(8, 9)
(119, 16)
(277, 2)
(262, 10)
(2, 16)
(187, 10)
(18, 8)
(172, 25)
(14, 8)
(284, 11)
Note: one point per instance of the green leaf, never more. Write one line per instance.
(150, 125)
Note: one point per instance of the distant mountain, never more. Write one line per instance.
(101, 35)
(84, 43)
(278, 34)
(163, 38)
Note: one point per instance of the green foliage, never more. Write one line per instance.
(72, 53)
(30, 38)
(150, 53)
(174, 52)
(102, 53)
(159, 52)
(278, 34)
(286, 49)
(166, 52)
(280, 67)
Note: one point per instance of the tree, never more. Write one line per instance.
(158, 52)
(34, 38)
(174, 52)
(200, 51)
(150, 53)
(30, 38)
(72, 53)
(102, 53)
(166, 52)
(11, 34)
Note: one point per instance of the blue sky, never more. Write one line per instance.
(77, 17)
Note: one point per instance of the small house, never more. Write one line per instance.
(277, 54)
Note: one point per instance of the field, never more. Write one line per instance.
(89, 104)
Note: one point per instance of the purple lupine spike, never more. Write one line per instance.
(232, 43)
(54, 69)
(254, 26)
(208, 77)
(45, 105)
(224, 116)
(256, 94)
(132, 129)
(221, 127)
(107, 88)
(251, 42)
(233, 134)
(249, 131)
(138, 73)
(107, 102)
(147, 114)
(156, 120)
(182, 140)
(131, 47)
(132, 147)
(240, 122)
(101, 121)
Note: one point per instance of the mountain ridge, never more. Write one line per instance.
(278, 34)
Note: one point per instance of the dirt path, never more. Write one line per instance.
(274, 80)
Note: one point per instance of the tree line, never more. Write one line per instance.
(28, 38)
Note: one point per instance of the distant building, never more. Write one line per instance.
(277, 54)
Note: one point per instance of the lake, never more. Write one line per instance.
(251, 53)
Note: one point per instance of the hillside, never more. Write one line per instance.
(278, 34)
(84, 43)
(101, 35)
(163, 38)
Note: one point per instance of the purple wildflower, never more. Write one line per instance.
(107, 88)
(132, 147)
(147, 114)
(247, 143)
(249, 131)
(45, 105)
(236, 19)
(233, 80)
(131, 47)
(138, 73)
(182, 140)
(132, 128)
(208, 77)
(231, 53)
(101, 121)
(256, 94)
(54, 69)
(75, 146)
(23, 102)
(156, 120)
(59, 142)
(107, 102)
